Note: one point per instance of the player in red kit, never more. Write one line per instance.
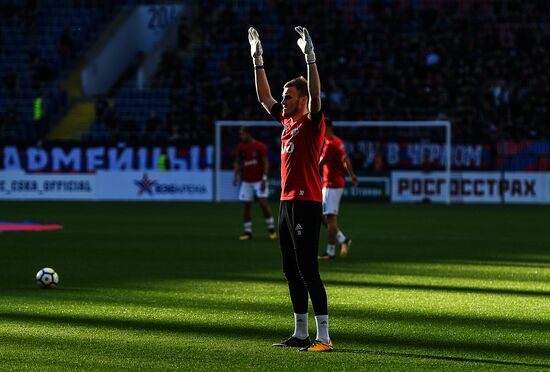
(251, 166)
(300, 211)
(334, 164)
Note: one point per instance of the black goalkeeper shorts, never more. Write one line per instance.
(299, 229)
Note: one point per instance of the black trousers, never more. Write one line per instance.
(299, 228)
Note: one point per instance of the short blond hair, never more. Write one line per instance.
(300, 83)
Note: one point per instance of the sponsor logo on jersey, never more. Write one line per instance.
(288, 148)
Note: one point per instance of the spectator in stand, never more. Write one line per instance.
(11, 118)
(27, 14)
(38, 116)
(171, 67)
(483, 65)
(33, 52)
(41, 72)
(101, 106)
(152, 126)
(3, 127)
(153, 123)
(183, 33)
(8, 11)
(129, 128)
(10, 83)
(112, 121)
(65, 46)
(174, 133)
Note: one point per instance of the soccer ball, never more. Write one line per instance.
(47, 278)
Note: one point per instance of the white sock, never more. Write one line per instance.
(322, 328)
(331, 249)
(340, 237)
(248, 227)
(270, 222)
(300, 326)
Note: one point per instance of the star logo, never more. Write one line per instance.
(145, 185)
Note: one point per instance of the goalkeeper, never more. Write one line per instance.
(300, 210)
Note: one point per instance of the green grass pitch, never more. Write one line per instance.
(165, 286)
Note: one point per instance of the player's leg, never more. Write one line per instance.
(343, 240)
(296, 286)
(246, 195)
(332, 230)
(247, 221)
(266, 209)
(324, 194)
(269, 220)
(331, 203)
(306, 223)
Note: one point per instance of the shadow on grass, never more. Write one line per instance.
(268, 334)
(443, 358)
(435, 321)
(442, 288)
(342, 314)
(405, 286)
(522, 262)
(450, 269)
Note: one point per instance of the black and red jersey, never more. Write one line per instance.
(301, 143)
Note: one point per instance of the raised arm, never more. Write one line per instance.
(314, 86)
(313, 81)
(263, 91)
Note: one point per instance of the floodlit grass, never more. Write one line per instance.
(168, 286)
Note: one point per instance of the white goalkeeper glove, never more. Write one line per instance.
(255, 47)
(305, 44)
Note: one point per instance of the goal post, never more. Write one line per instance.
(445, 125)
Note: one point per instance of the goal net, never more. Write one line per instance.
(376, 148)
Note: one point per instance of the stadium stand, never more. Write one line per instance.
(481, 64)
(40, 41)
